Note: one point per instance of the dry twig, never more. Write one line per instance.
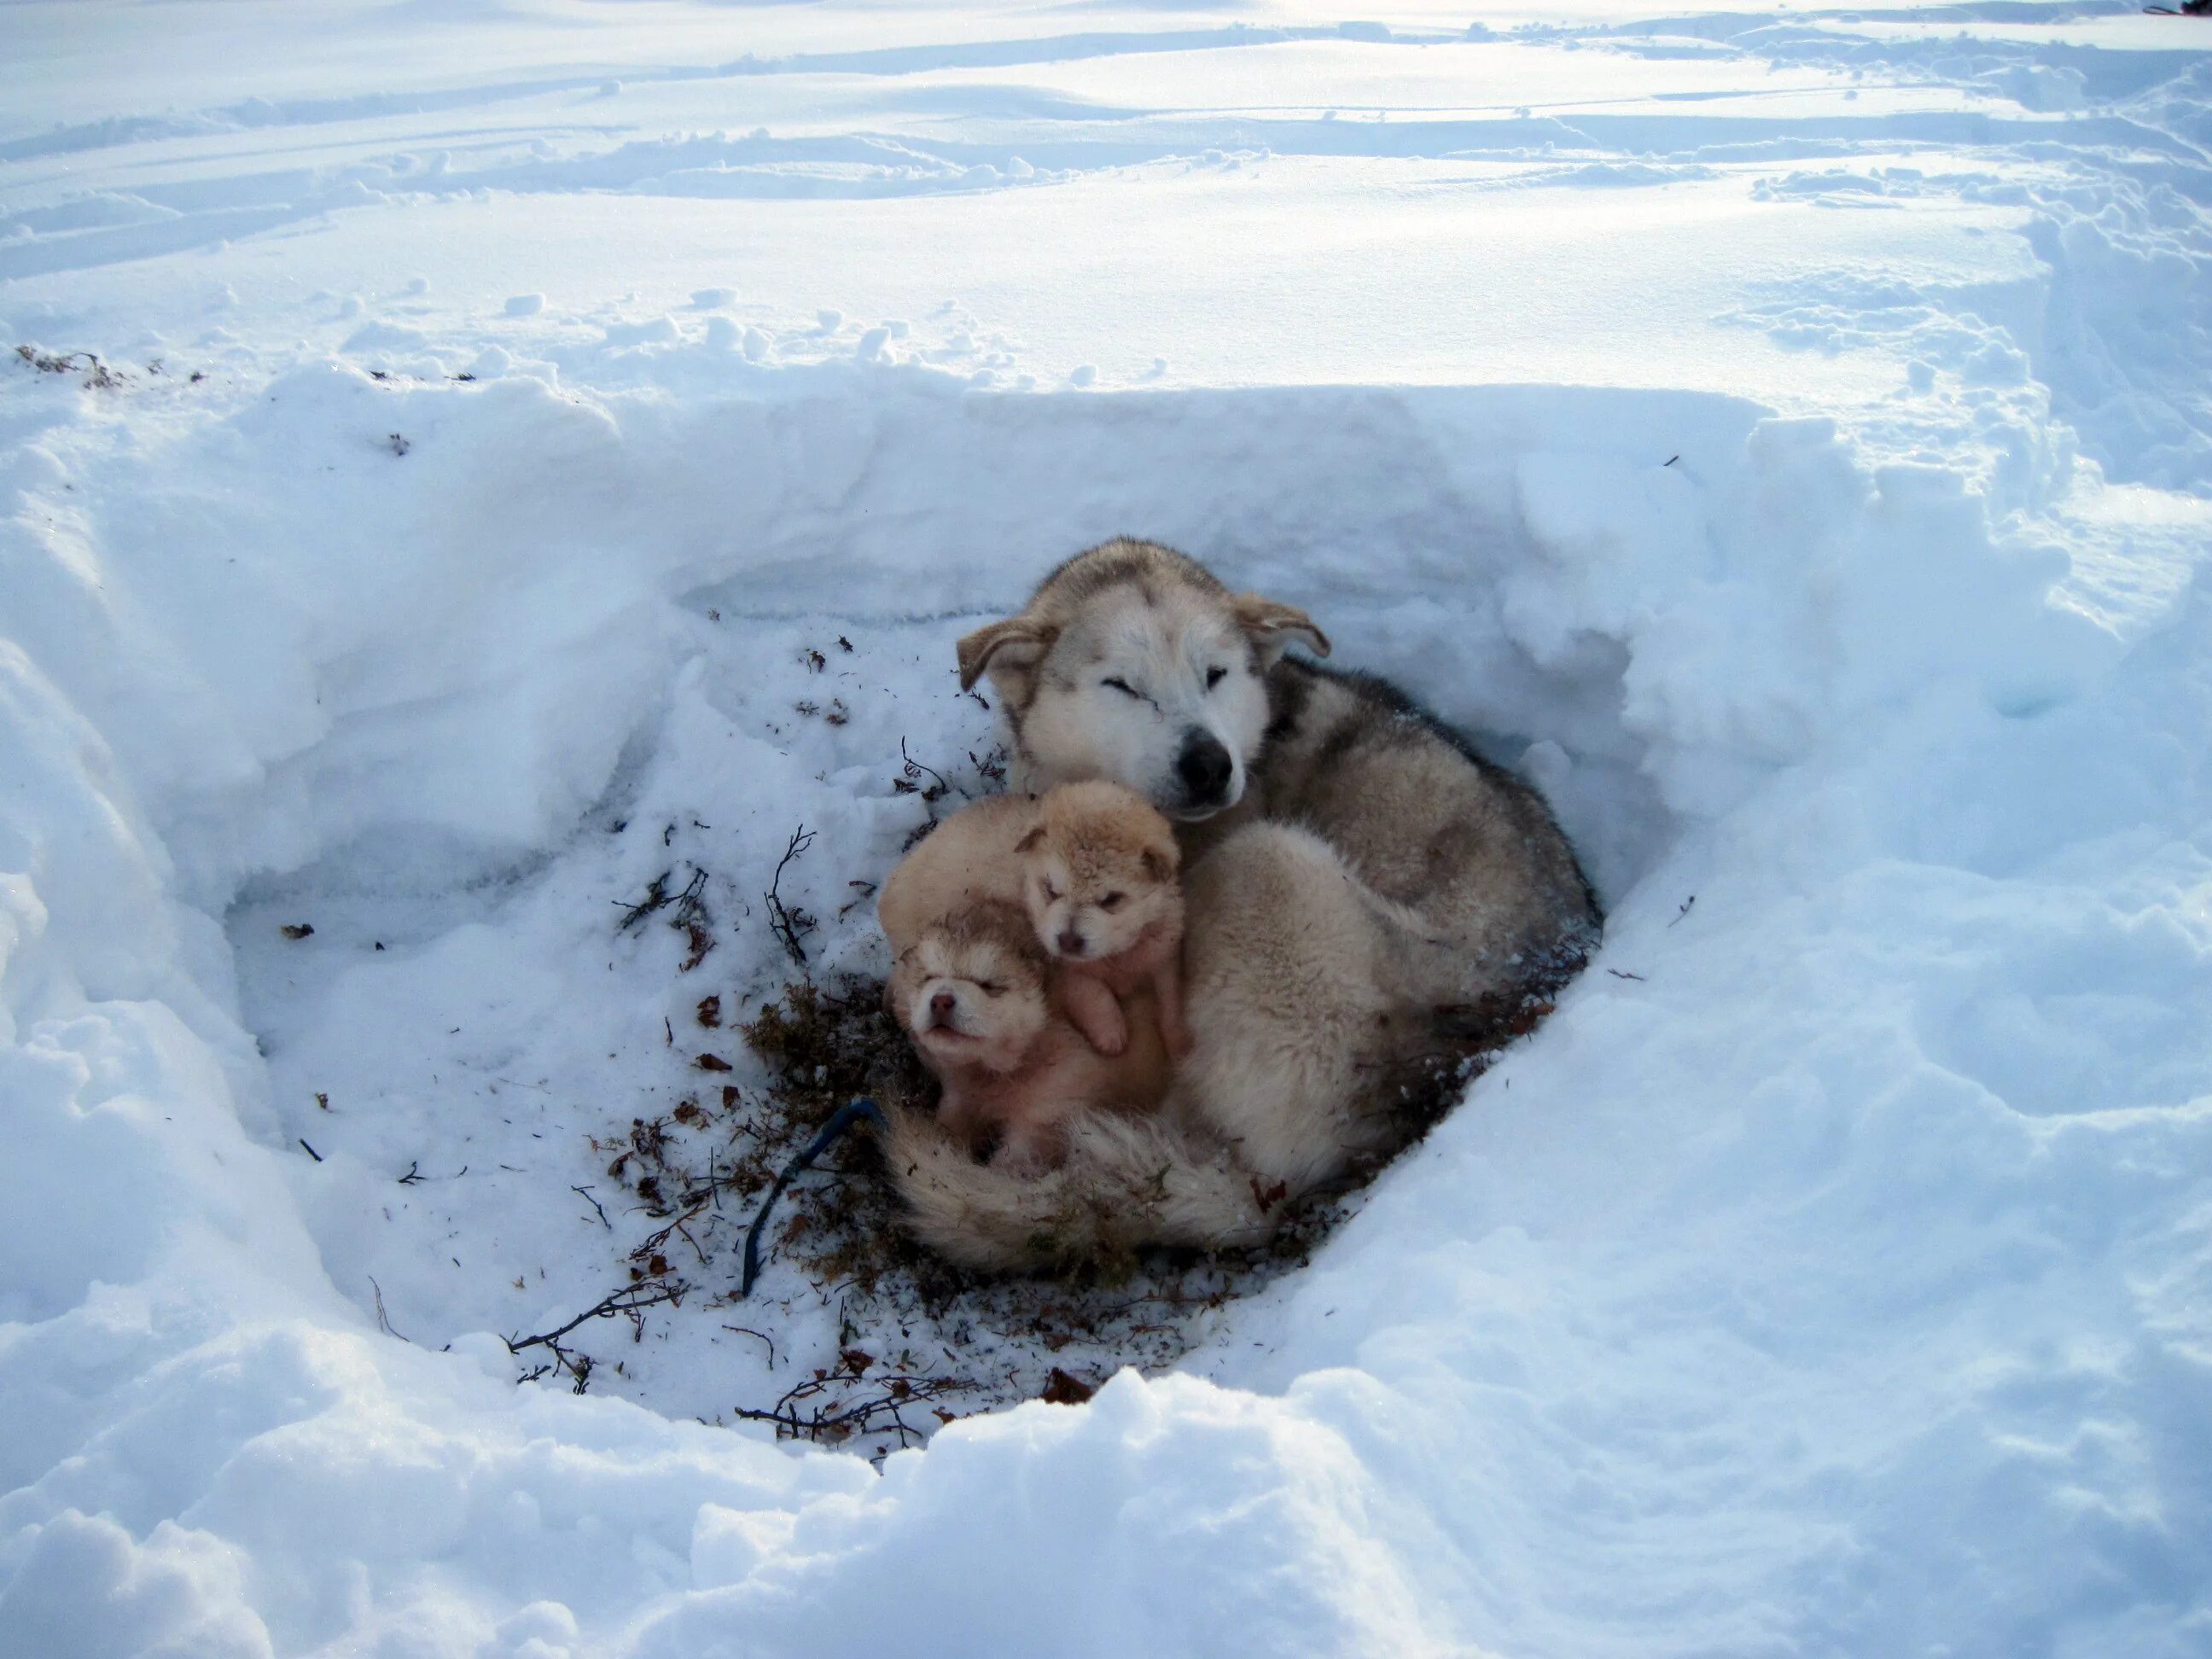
(629, 1303)
(789, 925)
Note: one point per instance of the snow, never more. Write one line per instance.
(556, 443)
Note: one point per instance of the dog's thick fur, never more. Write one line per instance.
(1358, 873)
(1308, 999)
(1124, 1184)
(1132, 663)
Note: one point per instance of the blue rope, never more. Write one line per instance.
(845, 1117)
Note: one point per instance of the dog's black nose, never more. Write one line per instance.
(1204, 767)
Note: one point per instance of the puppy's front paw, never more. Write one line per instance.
(1096, 1014)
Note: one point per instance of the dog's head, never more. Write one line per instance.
(1098, 869)
(971, 989)
(1132, 663)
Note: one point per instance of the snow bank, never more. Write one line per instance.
(1825, 1238)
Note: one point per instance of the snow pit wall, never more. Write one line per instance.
(285, 637)
(239, 637)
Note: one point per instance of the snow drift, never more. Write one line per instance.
(1857, 1182)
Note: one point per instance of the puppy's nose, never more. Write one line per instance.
(1204, 767)
(1071, 943)
(940, 1005)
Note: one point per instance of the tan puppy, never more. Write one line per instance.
(1098, 873)
(974, 992)
(969, 857)
(971, 990)
(1313, 992)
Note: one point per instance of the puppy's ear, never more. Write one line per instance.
(1271, 626)
(1004, 647)
(1031, 841)
(1159, 863)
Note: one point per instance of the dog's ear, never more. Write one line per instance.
(1014, 644)
(1271, 626)
(1159, 863)
(1031, 841)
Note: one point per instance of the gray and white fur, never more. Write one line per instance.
(1355, 875)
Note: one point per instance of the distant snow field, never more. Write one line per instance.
(472, 469)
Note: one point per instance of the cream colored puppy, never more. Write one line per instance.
(971, 991)
(974, 995)
(1310, 991)
(967, 858)
(1099, 875)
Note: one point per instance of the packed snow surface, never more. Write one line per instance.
(532, 447)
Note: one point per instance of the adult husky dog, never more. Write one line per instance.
(1361, 878)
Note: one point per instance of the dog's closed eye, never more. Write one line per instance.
(1112, 901)
(1123, 687)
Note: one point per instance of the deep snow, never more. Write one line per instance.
(1785, 432)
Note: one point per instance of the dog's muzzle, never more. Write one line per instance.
(1205, 770)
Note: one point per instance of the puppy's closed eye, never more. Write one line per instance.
(1112, 901)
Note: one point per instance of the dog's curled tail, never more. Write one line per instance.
(1125, 1184)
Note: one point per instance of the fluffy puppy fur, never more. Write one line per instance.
(983, 1003)
(1098, 870)
(1314, 994)
(974, 994)
(967, 858)
(1314, 983)
(971, 991)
